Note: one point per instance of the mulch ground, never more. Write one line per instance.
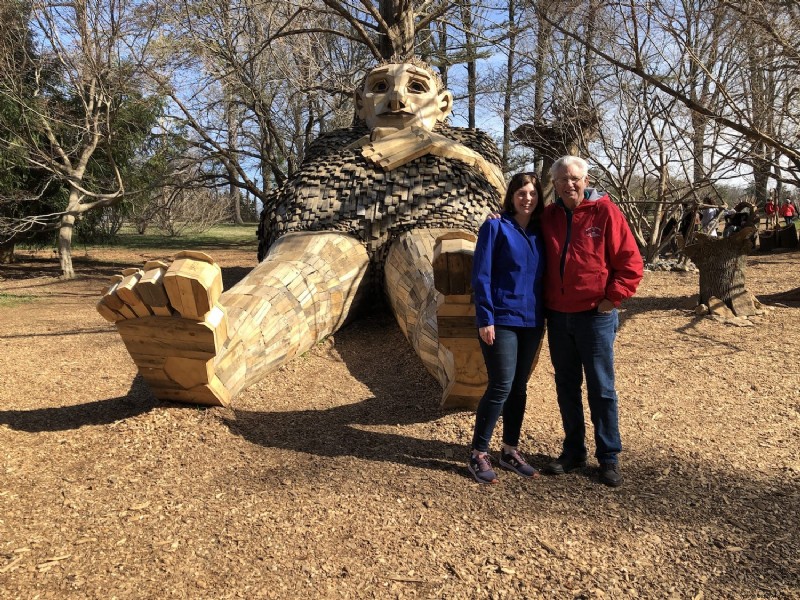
(339, 477)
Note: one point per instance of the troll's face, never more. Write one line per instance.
(401, 95)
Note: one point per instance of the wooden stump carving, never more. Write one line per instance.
(722, 263)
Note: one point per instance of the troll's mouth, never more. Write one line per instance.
(396, 113)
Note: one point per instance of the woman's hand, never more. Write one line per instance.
(487, 334)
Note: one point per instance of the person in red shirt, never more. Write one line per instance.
(771, 210)
(592, 264)
(787, 211)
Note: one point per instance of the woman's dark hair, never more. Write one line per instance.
(518, 181)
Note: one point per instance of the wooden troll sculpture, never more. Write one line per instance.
(394, 200)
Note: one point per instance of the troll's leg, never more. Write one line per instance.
(193, 343)
(439, 323)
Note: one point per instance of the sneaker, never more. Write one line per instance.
(610, 475)
(564, 464)
(514, 461)
(481, 468)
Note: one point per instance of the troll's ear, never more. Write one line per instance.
(358, 96)
(444, 102)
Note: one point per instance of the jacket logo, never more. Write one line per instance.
(592, 232)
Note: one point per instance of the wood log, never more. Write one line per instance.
(125, 287)
(787, 236)
(110, 299)
(129, 295)
(767, 241)
(107, 313)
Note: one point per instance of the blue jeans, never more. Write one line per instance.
(583, 343)
(509, 364)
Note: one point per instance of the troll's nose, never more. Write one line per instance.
(397, 100)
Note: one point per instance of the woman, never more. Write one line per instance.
(507, 276)
(787, 211)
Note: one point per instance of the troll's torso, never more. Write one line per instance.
(336, 188)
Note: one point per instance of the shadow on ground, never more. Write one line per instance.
(137, 401)
(640, 304)
(790, 298)
(403, 394)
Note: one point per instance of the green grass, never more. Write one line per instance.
(219, 236)
(12, 300)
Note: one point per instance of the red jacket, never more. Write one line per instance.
(600, 259)
(787, 210)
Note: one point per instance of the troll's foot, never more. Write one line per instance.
(172, 326)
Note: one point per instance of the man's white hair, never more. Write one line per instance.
(568, 161)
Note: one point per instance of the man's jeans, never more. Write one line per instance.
(583, 343)
(508, 365)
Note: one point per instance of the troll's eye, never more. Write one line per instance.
(417, 87)
(379, 86)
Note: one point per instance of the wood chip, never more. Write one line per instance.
(403, 579)
(12, 565)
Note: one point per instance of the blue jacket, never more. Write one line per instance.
(508, 275)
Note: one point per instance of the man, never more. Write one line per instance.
(771, 211)
(593, 264)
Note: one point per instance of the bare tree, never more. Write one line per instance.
(86, 67)
(730, 83)
(724, 70)
(253, 83)
(510, 77)
(561, 119)
(181, 210)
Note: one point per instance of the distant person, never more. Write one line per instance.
(689, 221)
(788, 211)
(771, 210)
(593, 264)
(708, 224)
(668, 233)
(736, 220)
(507, 279)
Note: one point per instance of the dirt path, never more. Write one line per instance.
(338, 476)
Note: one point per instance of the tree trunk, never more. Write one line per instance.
(470, 50)
(233, 131)
(7, 253)
(508, 92)
(399, 39)
(236, 203)
(721, 263)
(65, 246)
